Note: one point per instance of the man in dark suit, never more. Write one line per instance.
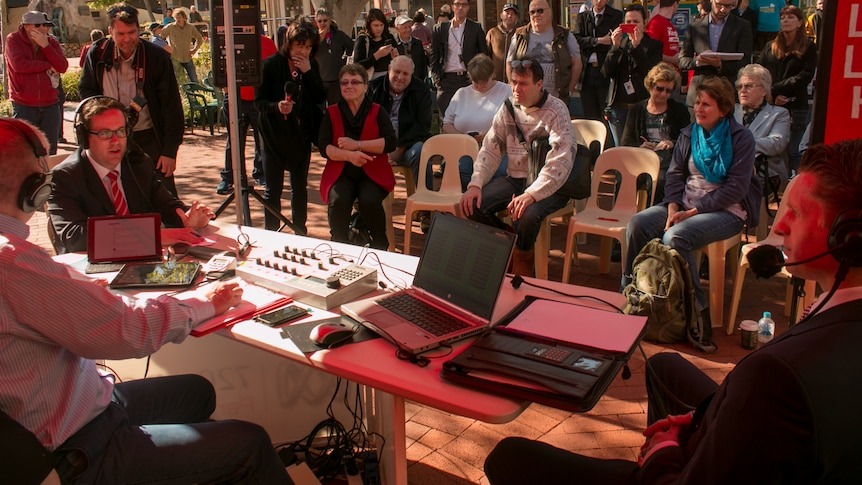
(716, 32)
(107, 176)
(788, 412)
(592, 30)
(453, 44)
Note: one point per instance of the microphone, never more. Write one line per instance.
(767, 260)
(289, 90)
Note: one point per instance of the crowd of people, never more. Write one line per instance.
(367, 104)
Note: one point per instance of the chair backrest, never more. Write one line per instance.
(630, 162)
(771, 238)
(589, 131)
(451, 147)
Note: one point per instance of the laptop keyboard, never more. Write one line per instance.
(430, 318)
(103, 267)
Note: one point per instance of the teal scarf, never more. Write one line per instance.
(712, 154)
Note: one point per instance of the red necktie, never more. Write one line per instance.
(117, 198)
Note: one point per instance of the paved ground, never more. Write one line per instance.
(447, 449)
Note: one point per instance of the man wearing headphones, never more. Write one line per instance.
(788, 412)
(141, 76)
(108, 176)
(96, 431)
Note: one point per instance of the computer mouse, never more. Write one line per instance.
(327, 334)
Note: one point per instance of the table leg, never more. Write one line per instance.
(386, 415)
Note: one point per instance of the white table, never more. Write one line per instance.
(373, 363)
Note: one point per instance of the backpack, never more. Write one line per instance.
(661, 289)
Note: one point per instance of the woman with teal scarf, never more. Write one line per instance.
(711, 191)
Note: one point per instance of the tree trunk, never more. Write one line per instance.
(149, 10)
(344, 12)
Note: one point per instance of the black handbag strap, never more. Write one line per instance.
(511, 109)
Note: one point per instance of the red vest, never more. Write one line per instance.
(378, 169)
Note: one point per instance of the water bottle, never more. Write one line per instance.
(767, 328)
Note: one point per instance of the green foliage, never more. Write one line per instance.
(71, 79)
(100, 4)
(6, 108)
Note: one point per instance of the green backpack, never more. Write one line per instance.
(661, 289)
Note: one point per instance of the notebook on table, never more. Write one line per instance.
(455, 289)
(113, 241)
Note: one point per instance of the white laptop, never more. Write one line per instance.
(461, 270)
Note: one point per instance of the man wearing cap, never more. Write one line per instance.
(499, 37)
(553, 46)
(156, 38)
(408, 45)
(126, 68)
(453, 44)
(35, 61)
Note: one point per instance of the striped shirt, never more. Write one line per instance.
(52, 326)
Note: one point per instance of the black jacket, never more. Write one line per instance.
(791, 75)
(417, 53)
(160, 88)
(586, 32)
(677, 119)
(287, 136)
(472, 44)
(414, 117)
(625, 63)
(332, 54)
(78, 193)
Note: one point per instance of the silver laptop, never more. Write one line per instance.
(454, 292)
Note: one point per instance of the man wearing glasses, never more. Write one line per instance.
(716, 32)
(553, 46)
(453, 44)
(107, 176)
(537, 114)
(35, 61)
(140, 75)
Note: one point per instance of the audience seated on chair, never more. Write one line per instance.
(107, 176)
(711, 190)
(149, 430)
(536, 114)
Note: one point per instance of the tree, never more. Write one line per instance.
(104, 4)
(344, 12)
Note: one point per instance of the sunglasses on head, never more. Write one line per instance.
(524, 63)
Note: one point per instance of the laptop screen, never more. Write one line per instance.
(113, 239)
(464, 262)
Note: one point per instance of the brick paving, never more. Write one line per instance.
(449, 449)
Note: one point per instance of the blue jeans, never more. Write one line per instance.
(497, 195)
(465, 169)
(47, 118)
(157, 430)
(190, 70)
(693, 233)
(410, 159)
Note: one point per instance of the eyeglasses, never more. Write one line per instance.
(352, 82)
(177, 251)
(108, 134)
(724, 6)
(526, 63)
(538, 11)
(43, 25)
(662, 89)
(113, 12)
(746, 87)
(461, 5)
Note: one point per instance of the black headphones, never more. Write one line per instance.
(36, 187)
(845, 237)
(82, 131)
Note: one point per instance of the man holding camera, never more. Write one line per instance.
(141, 76)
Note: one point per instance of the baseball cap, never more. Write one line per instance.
(401, 20)
(33, 17)
(511, 6)
(153, 26)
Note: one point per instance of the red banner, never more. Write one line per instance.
(844, 102)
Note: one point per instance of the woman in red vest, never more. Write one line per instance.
(355, 137)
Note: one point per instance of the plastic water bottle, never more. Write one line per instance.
(767, 328)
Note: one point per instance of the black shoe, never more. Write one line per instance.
(424, 221)
(224, 187)
(260, 181)
(703, 343)
(616, 252)
(438, 174)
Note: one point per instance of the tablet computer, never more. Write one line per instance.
(172, 275)
(119, 239)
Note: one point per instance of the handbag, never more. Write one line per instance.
(577, 184)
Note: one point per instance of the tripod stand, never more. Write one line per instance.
(242, 187)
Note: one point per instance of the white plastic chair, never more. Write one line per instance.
(773, 240)
(448, 199)
(630, 162)
(587, 132)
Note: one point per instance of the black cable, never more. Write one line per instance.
(518, 280)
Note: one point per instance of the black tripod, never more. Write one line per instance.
(245, 190)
